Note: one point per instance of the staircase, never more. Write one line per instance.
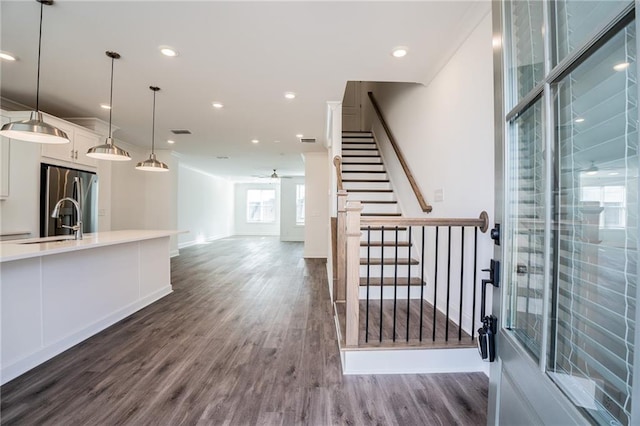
(365, 179)
(388, 321)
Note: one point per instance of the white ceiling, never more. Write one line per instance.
(243, 54)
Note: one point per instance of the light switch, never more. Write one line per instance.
(438, 195)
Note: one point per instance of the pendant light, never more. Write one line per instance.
(151, 164)
(274, 175)
(108, 150)
(35, 129)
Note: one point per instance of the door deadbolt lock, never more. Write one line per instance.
(495, 234)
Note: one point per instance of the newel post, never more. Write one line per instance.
(354, 208)
(340, 289)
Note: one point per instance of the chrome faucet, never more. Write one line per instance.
(77, 228)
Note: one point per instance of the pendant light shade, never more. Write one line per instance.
(35, 129)
(274, 175)
(151, 164)
(108, 150)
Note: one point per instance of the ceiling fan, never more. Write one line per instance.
(273, 176)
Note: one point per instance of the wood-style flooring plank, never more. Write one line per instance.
(246, 338)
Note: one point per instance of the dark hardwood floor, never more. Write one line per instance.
(247, 337)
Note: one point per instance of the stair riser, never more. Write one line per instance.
(357, 138)
(380, 208)
(389, 235)
(389, 271)
(389, 252)
(361, 159)
(362, 167)
(361, 152)
(388, 293)
(364, 175)
(366, 185)
(380, 196)
(358, 145)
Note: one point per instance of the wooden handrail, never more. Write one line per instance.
(405, 166)
(337, 161)
(482, 223)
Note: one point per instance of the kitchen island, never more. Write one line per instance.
(55, 294)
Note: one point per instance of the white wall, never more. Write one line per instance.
(128, 198)
(316, 230)
(445, 131)
(242, 227)
(289, 230)
(144, 200)
(205, 206)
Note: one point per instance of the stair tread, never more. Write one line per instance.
(389, 261)
(390, 281)
(386, 228)
(377, 202)
(360, 156)
(381, 214)
(386, 243)
(366, 180)
(370, 163)
(371, 142)
(369, 190)
(363, 171)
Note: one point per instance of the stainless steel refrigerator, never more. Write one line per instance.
(60, 182)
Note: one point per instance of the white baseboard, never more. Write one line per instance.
(174, 253)
(25, 364)
(413, 361)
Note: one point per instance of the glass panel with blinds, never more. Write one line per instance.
(578, 20)
(596, 215)
(526, 241)
(570, 268)
(525, 56)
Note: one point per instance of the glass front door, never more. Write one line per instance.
(569, 211)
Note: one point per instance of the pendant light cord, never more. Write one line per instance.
(39, 52)
(153, 124)
(111, 97)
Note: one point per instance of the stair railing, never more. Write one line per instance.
(405, 166)
(403, 311)
(339, 284)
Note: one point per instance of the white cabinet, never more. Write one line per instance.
(4, 161)
(76, 150)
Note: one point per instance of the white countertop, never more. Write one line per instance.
(17, 249)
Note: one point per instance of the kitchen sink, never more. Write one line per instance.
(47, 240)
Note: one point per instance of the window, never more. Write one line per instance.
(261, 205)
(571, 224)
(300, 204)
(611, 200)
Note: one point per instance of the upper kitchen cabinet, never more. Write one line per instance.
(80, 141)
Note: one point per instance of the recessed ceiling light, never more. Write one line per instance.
(614, 174)
(217, 105)
(621, 66)
(276, 141)
(168, 51)
(289, 95)
(105, 106)
(7, 56)
(171, 142)
(400, 52)
(579, 120)
(299, 136)
(255, 141)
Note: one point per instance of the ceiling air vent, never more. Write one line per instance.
(181, 132)
(308, 140)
